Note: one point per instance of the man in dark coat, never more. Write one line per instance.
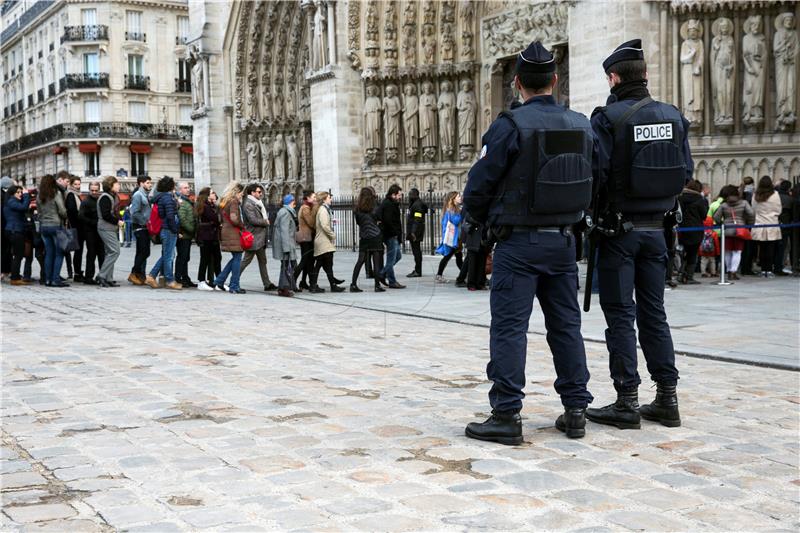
(415, 229)
(694, 208)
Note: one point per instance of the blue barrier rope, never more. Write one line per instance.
(734, 226)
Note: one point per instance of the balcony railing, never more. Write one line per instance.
(98, 130)
(140, 83)
(34, 11)
(183, 86)
(135, 36)
(40, 96)
(84, 81)
(51, 90)
(92, 32)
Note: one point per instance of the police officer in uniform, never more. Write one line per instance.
(532, 182)
(648, 162)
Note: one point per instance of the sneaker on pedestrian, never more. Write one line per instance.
(151, 282)
(221, 287)
(203, 286)
(237, 291)
(414, 274)
(174, 285)
(440, 279)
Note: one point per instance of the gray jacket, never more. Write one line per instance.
(283, 234)
(54, 212)
(140, 208)
(255, 223)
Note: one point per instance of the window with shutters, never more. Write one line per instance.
(183, 30)
(138, 164)
(91, 164)
(89, 17)
(185, 115)
(137, 111)
(91, 111)
(91, 63)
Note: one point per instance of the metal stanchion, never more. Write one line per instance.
(722, 280)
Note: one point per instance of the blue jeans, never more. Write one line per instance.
(234, 269)
(393, 255)
(53, 256)
(164, 263)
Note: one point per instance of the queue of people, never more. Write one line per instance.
(33, 221)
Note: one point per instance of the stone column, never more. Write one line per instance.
(332, 32)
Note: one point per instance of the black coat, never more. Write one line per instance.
(87, 214)
(415, 221)
(388, 217)
(695, 209)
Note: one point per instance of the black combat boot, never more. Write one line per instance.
(624, 413)
(572, 422)
(505, 428)
(664, 408)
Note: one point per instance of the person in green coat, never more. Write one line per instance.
(187, 226)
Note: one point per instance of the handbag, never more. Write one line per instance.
(450, 234)
(489, 263)
(741, 233)
(245, 237)
(67, 239)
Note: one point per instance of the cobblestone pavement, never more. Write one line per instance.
(141, 410)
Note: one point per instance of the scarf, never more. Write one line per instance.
(260, 205)
(628, 90)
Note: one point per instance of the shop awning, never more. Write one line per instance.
(187, 149)
(141, 148)
(60, 150)
(88, 148)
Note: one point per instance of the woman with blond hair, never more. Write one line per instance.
(108, 224)
(451, 228)
(324, 244)
(232, 226)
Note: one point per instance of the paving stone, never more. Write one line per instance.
(640, 521)
(680, 480)
(484, 522)
(391, 522)
(211, 517)
(10, 497)
(437, 503)
(21, 479)
(121, 517)
(73, 524)
(664, 499)
(535, 481)
(39, 513)
(589, 500)
(357, 506)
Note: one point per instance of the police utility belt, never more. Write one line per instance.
(614, 224)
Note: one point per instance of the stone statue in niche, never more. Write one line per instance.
(428, 44)
(320, 36)
(447, 125)
(723, 64)
(754, 50)
(372, 119)
(467, 15)
(278, 154)
(467, 106)
(292, 157)
(277, 102)
(198, 87)
(266, 158)
(252, 158)
(692, 71)
(448, 44)
(411, 120)
(785, 47)
(427, 122)
(410, 34)
(392, 107)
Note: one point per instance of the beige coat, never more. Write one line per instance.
(767, 213)
(229, 234)
(325, 239)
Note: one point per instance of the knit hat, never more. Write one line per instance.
(289, 198)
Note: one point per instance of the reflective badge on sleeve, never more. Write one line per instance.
(483, 151)
(652, 132)
(417, 215)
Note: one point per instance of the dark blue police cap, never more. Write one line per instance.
(535, 59)
(627, 51)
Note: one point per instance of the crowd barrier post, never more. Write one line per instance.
(722, 268)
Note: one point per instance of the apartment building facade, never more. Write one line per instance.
(95, 88)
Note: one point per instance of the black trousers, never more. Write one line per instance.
(17, 249)
(416, 251)
(690, 259)
(305, 267)
(95, 250)
(476, 269)
(766, 255)
(210, 261)
(325, 262)
(5, 254)
(377, 259)
(747, 258)
(446, 259)
(635, 264)
(184, 250)
(142, 250)
(35, 249)
(77, 255)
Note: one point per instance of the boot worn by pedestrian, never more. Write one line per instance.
(336, 288)
(624, 413)
(134, 278)
(572, 422)
(151, 281)
(664, 408)
(316, 289)
(502, 427)
(354, 288)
